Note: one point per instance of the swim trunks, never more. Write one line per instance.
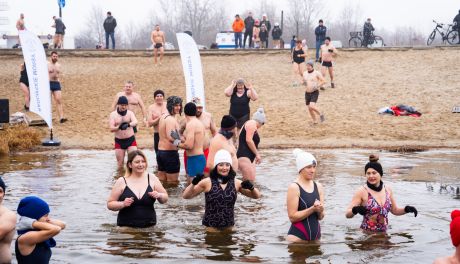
(156, 140)
(205, 152)
(55, 86)
(168, 161)
(125, 143)
(327, 64)
(195, 165)
(311, 97)
(158, 45)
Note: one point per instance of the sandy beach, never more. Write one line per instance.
(366, 80)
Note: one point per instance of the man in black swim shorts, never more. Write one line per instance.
(158, 40)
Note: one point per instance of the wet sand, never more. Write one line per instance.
(366, 80)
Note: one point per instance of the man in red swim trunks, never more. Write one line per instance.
(121, 122)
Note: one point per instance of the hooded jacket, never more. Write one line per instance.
(110, 23)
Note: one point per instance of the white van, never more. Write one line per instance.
(225, 40)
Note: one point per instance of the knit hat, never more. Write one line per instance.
(240, 81)
(455, 227)
(190, 109)
(303, 159)
(2, 184)
(374, 164)
(157, 92)
(311, 62)
(33, 207)
(222, 156)
(122, 100)
(228, 122)
(197, 102)
(171, 102)
(259, 116)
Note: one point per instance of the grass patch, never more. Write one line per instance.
(18, 137)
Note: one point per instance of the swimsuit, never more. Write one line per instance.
(243, 148)
(309, 228)
(295, 57)
(376, 218)
(125, 143)
(141, 213)
(220, 203)
(327, 64)
(195, 165)
(55, 86)
(205, 152)
(40, 255)
(158, 45)
(311, 97)
(239, 107)
(24, 78)
(168, 161)
(156, 140)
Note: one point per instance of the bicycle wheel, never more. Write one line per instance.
(378, 42)
(452, 37)
(354, 42)
(431, 38)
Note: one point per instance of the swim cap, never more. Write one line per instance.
(374, 164)
(190, 109)
(259, 116)
(303, 159)
(122, 100)
(197, 102)
(455, 227)
(171, 102)
(311, 62)
(2, 184)
(33, 207)
(222, 156)
(228, 122)
(277, 24)
(157, 92)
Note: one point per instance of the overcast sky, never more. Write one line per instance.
(384, 13)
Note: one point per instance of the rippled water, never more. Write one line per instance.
(77, 183)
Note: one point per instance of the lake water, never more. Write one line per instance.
(76, 183)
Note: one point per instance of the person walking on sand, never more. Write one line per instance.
(24, 85)
(223, 140)
(158, 40)
(455, 237)
(135, 194)
(375, 200)
(121, 123)
(320, 33)
(155, 111)
(305, 200)
(7, 227)
(54, 71)
(59, 33)
(248, 27)
(238, 26)
(328, 51)
(134, 101)
(168, 128)
(298, 61)
(312, 80)
(221, 190)
(263, 35)
(110, 23)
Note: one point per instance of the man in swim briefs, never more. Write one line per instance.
(158, 40)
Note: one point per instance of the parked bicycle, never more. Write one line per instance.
(356, 40)
(450, 34)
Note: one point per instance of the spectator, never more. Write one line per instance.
(110, 23)
(457, 25)
(320, 32)
(293, 42)
(238, 26)
(276, 35)
(255, 34)
(367, 32)
(249, 25)
(263, 37)
(60, 32)
(268, 26)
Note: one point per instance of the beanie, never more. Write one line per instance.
(33, 207)
(197, 102)
(2, 184)
(259, 116)
(455, 227)
(222, 156)
(303, 159)
(190, 109)
(374, 164)
(228, 122)
(122, 100)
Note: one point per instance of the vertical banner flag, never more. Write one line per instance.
(37, 71)
(191, 64)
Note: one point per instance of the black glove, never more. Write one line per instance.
(124, 126)
(359, 210)
(320, 60)
(330, 50)
(410, 209)
(246, 184)
(174, 134)
(197, 179)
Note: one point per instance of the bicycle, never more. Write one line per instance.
(356, 40)
(450, 35)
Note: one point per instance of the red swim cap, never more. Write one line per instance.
(455, 227)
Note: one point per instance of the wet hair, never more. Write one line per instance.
(54, 52)
(214, 174)
(131, 155)
(171, 102)
(157, 92)
(328, 38)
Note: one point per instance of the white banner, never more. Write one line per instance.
(37, 71)
(191, 63)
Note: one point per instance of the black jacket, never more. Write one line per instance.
(320, 32)
(248, 24)
(267, 24)
(263, 35)
(277, 32)
(457, 18)
(368, 28)
(110, 23)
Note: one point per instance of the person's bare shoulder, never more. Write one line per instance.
(8, 216)
(443, 260)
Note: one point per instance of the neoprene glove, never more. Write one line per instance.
(359, 210)
(246, 184)
(124, 126)
(197, 179)
(330, 50)
(25, 223)
(410, 209)
(174, 134)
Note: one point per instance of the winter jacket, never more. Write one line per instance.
(110, 23)
(263, 34)
(320, 32)
(238, 25)
(368, 28)
(249, 23)
(276, 33)
(267, 24)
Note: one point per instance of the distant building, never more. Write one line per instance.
(5, 21)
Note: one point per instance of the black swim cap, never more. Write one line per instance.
(122, 100)
(190, 109)
(228, 122)
(157, 92)
(171, 102)
(2, 184)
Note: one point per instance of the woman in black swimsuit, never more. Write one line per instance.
(240, 93)
(24, 85)
(299, 54)
(134, 194)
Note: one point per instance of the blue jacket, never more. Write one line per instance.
(320, 32)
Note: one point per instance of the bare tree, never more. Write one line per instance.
(93, 33)
(301, 16)
(348, 21)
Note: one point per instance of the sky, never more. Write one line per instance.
(389, 14)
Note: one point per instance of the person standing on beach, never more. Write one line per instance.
(7, 227)
(223, 140)
(455, 237)
(134, 100)
(158, 40)
(24, 85)
(299, 53)
(367, 32)
(268, 26)
(457, 24)
(155, 111)
(255, 34)
(312, 80)
(60, 32)
(238, 26)
(168, 128)
(110, 23)
(276, 35)
(320, 33)
(20, 25)
(328, 51)
(248, 26)
(121, 123)
(54, 71)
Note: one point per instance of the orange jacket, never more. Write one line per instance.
(238, 25)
